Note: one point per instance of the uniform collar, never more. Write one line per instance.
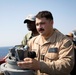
(51, 39)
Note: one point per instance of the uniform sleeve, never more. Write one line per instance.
(24, 41)
(65, 62)
(30, 42)
(26, 38)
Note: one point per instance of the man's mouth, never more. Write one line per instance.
(41, 30)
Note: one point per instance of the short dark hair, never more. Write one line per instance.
(46, 14)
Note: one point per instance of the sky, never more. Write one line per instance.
(14, 12)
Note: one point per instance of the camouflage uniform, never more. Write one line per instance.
(27, 37)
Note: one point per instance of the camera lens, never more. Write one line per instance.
(31, 54)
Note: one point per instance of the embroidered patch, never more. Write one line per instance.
(67, 44)
(53, 50)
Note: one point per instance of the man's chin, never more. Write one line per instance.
(41, 34)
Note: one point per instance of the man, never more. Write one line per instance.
(30, 20)
(55, 54)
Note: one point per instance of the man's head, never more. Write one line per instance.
(30, 20)
(70, 35)
(44, 23)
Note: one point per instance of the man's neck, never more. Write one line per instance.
(35, 33)
(48, 35)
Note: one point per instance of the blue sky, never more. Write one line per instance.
(13, 13)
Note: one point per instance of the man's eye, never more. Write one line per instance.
(42, 23)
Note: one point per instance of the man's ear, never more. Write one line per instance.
(52, 22)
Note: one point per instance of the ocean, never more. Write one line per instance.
(4, 51)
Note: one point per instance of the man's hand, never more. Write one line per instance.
(29, 63)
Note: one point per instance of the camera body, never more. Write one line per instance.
(18, 53)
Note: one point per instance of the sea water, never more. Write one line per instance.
(4, 51)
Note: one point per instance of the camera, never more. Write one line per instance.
(19, 52)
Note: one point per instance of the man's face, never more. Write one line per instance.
(31, 25)
(44, 26)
